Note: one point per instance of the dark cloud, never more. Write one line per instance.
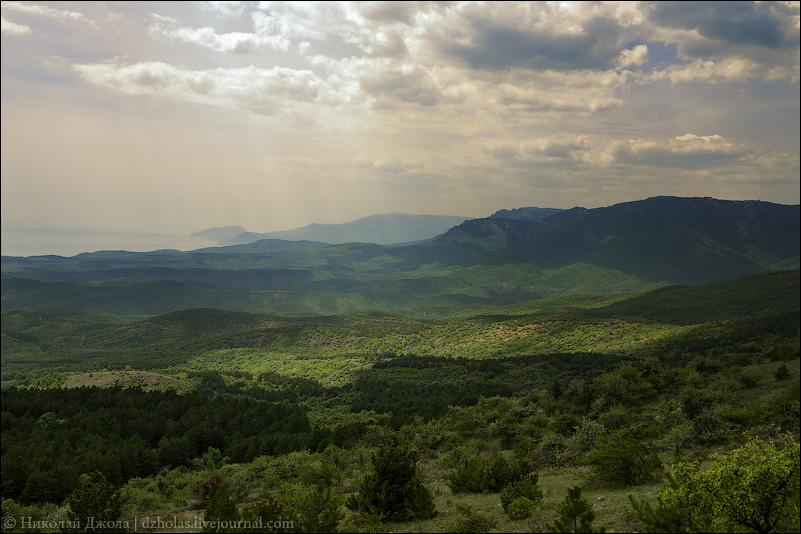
(751, 23)
(389, 11)
(495, 45)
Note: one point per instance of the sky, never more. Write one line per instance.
(165, 118)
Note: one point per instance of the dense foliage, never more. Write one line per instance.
(487, 419)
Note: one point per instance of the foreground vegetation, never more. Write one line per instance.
(575, 413)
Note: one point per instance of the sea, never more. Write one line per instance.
(17, 241)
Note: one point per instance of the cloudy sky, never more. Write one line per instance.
(172, 117)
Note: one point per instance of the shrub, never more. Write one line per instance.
(750, 377)
(474, 475)
(574, 514)
(525, 487)
(622, 460)
(393, 489)
(473, 521)
(755, 487)
(521, 508)
(782, 373)
(95, 502)
(220, 509)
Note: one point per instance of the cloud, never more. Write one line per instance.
(409, 83)
(536, 36)
(396, 166)
(388, 12)
(239, 42)
(729, 40)
(634, 57)
(725, 70)
(688, 151)
(45, 11)
(571, 92)
(225, 9)
(557, 149)
(760, 24)
(392, 166)
(264, 91)
(12, 28)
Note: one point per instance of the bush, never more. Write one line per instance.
(526, 488)
(755, 487)
(521, 508)
(782, 373)
(270, 510)
(220, 509)
(473, 521)
(392, 489)
(474, 475)
(622, 460)
(750, 377)
(95, 502)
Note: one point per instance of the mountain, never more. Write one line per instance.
(386, 229)
(528, 214)
(219, 234)
(629, 247)
(671, 239)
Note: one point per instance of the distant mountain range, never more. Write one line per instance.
(512, 256)
(384, 229)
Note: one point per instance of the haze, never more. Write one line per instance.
(165, 118)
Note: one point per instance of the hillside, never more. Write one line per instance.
(525, 328)
(629, 247)
(170, 406)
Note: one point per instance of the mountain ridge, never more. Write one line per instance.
(382, 229)
(627, 247)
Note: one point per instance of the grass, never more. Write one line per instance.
(611, 506)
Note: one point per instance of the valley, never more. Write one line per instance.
(502, 363)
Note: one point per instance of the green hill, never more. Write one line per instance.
(629, 247)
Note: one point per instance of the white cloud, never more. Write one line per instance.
(225, 9)
(264, 91)
(687, 151)
(45, 11)
(239, 42)
(12, 28)
(634, 57)
(724, 70)
(579, 91)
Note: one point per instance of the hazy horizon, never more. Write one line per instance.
(165, 118)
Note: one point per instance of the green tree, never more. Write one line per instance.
(221, 512)
(661, 518)
(575, 514)
(755, 487)
(319, 505)
(621, 459)
(782, 373)
(526, 488)
(393, 489)
(95, 505)
(521, 508)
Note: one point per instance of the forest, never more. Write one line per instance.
(675, 410)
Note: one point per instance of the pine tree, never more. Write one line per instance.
(392, 489)
(95, 505)
(575, 514)
(219, 510)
